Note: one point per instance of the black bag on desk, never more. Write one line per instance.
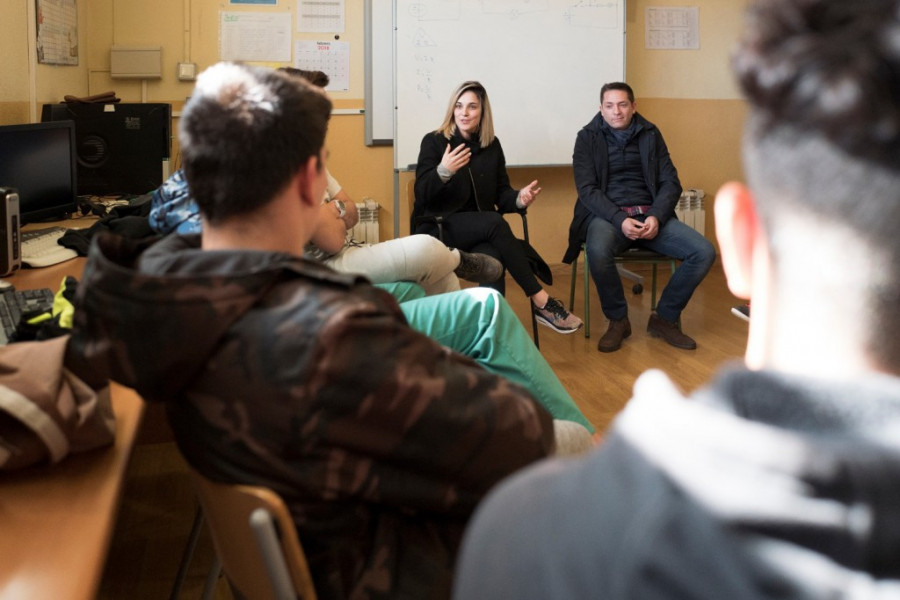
(46, 411)
(128, 221)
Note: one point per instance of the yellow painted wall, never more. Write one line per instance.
(689, 94)
(702, 73)
(24, 84)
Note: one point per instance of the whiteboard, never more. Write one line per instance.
(542, 63)
(379, 72)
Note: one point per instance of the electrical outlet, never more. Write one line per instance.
(187, 71)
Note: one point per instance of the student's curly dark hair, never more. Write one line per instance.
(828, 66)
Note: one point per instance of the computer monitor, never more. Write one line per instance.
(121, 148)
(38, 160)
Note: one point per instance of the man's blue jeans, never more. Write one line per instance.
(675, 239)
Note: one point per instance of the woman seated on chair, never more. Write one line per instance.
(461, 177)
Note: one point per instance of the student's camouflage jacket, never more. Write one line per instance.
(277, 371)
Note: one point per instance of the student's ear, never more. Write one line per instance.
(738, 230)
(308, 175)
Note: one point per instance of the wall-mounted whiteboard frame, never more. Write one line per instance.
(379, 72)
(542, 62)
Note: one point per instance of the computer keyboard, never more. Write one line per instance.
(14, 304)
(40, 247)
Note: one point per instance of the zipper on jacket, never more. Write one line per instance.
(474, 189)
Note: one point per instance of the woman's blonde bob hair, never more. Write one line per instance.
(485, 128)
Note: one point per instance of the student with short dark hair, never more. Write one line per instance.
(781, 479)
(278, 371)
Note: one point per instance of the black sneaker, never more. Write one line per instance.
(556, 317)
(742, 312)
(479, 268)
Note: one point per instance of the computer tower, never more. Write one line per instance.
(121, 148)
(10, 244)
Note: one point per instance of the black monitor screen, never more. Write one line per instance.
(38, 160)
(120, 147)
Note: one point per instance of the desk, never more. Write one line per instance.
(50, 277)
(56, 522)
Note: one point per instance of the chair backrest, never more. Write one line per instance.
(247, 544)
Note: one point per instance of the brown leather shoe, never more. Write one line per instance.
(612, 339)
(670, 332)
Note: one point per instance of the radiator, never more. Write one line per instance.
(690, 209)
(367, 228)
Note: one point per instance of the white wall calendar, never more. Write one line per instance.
(332, 58)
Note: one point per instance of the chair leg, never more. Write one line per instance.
(587, 297)
(587, 293)
(188, 554)
(212, 579)
(534, 326)
(572, 287)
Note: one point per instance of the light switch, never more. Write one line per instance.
(187, 71)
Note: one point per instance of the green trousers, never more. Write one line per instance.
(478, 322)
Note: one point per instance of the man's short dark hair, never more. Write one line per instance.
(823, 138)
(617, 85)
(319, 78)
(244, 134)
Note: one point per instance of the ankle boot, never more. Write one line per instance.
(612, 339)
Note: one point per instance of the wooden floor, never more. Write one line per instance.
(158, 506)
(601, 383)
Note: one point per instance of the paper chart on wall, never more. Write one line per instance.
(672, 28)
(332, 58)
(320, 16)
(255, 36)
(57, 32)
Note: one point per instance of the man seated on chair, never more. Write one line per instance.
(627, 192)
(281, 372)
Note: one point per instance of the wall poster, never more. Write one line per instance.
(57, 32)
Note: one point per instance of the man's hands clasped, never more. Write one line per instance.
(635, 230)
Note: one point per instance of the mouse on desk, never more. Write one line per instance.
(5, 285)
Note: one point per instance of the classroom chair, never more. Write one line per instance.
(438, 220)
(629, 256)
(255, 540)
